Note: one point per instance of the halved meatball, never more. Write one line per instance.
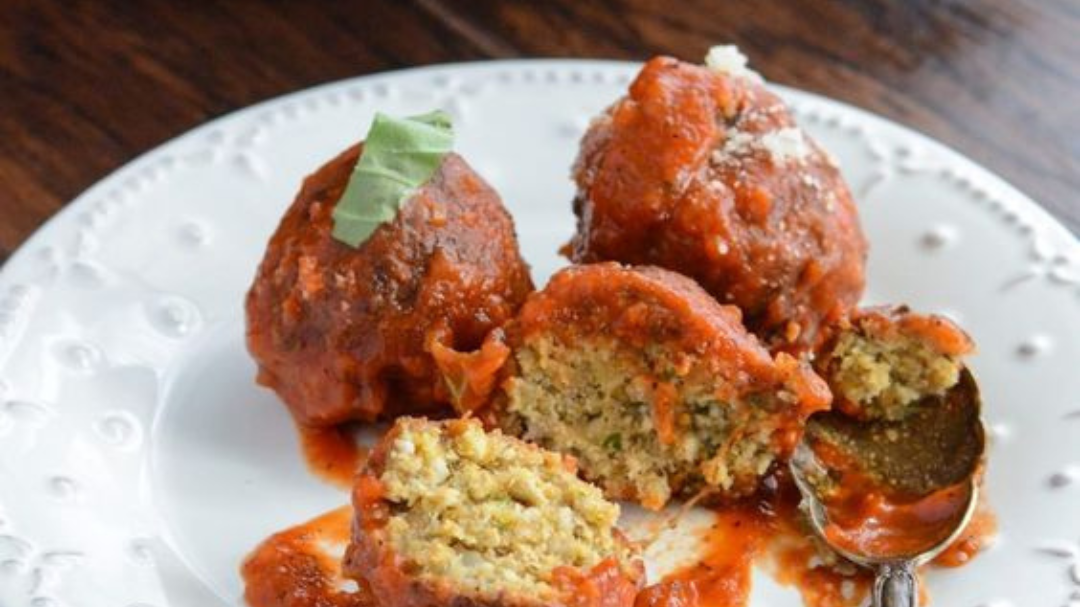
(702, 170)
(885, 360)
(652, 385)
(448, 514)
(343, 333)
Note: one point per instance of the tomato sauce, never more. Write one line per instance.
(677, 174)
(341, 333)
(332, 453)
(976, 537)
(293, 569)
(868, 517)
(797, 562)
(771, 533)
(940, 333)
(722, 576)
(876, 524)
(605, 585)
(290, 569)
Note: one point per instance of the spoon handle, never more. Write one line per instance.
(895, 586)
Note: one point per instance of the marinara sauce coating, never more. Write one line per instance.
(703, 171)
(343, 333)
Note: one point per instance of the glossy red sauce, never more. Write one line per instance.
(975, 538)
(342, 333)
(605, 585)
(868, 518)
(470, 377)
(650, 307)
(938, 332)
(797, 563)
(722, 576)
(332, 453)
(772, 534)
(290, 569)
(781, 240)
(876, 524)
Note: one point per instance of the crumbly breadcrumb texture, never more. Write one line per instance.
(882, 376)
(599, 403)
(494, 514)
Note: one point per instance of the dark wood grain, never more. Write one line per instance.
(86, 85)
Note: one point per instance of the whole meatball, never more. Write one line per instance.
(703, 171)
(343, 333)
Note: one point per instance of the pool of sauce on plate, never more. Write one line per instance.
(332, 453)
(722, 575)
(294, 568)
(795, 558)
(771, 533)
(767, 532)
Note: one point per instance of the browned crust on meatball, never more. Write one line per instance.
(344, 333)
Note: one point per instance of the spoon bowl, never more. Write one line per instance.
(939, 447)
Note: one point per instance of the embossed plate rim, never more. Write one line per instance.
(1052, 247)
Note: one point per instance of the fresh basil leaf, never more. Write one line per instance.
(399, 156)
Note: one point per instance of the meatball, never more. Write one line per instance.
(653, 386)
(704, 171)
(448, 514)
(885, 360)
(343, 333)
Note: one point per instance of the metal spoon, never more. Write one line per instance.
(941, 445)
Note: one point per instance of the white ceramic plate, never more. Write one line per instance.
(139, 462)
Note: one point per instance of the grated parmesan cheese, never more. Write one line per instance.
(786, 144)
(737, 143)
(782, 145)
(728, 59)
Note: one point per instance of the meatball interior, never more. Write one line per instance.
(887, 360)
(655, 388)
(481, 515)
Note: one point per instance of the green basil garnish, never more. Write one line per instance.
(399, 156)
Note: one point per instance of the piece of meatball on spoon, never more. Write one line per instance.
(891, 495)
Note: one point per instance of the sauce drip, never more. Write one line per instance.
(772, 533)
(722, 576)
(799, 563)
(294, 568)
(975, 538)
(332, 453)
(797, 560)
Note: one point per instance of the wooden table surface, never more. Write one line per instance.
(86, 86)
